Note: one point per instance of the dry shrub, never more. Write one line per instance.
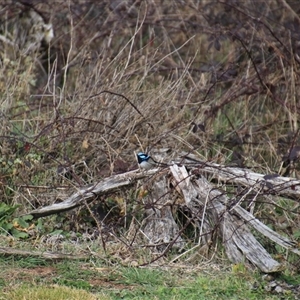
(218, 78)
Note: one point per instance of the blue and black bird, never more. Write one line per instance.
(145, 161)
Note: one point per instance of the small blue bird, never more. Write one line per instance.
(146, 161)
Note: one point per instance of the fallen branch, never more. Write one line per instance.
(47, 255)
(238, 240)
(87, 194)
(271, 184)
(211, 208)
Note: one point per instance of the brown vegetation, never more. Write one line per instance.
(217, 79)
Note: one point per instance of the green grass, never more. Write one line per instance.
(36, 279)
(48, 293)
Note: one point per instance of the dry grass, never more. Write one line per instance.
(217, 79)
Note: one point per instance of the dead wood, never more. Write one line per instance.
(159, 226)
(88, 193)
(46, 255)
(284, 186)
(268, 183)
(211, 208)
(266, 231)
(238, 240)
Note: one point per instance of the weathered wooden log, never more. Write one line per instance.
(272, 184)
(239, 242)
(209, 205)
(286, 187)
(88, 193)
(266, 231)
(159, 226)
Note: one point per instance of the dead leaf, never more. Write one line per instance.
(85, 144)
